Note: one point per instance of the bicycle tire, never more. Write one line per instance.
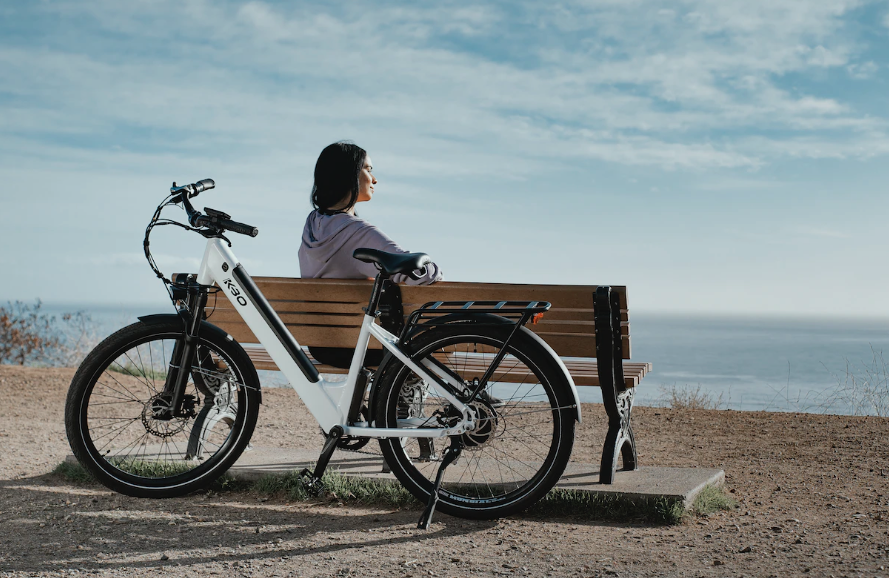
(510, 461)
(111, 411)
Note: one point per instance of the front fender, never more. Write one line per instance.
(161, 318)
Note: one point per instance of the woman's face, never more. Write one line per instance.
(366, 182)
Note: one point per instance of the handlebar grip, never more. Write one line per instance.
(241, 228)
(415, 275)
(204, 185)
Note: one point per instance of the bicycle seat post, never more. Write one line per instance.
(373, 306)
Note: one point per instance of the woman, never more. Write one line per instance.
(343, 178)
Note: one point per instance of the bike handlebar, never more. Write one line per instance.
(190, 191)
(203, 185)
(214, 219)
(242, 228)
(227, 225)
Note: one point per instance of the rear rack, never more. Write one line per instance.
(519, 311)
(436, 313)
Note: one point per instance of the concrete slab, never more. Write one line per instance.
(643, 484)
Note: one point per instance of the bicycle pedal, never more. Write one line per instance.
(313, 484)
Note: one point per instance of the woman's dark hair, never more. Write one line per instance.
(336, 177)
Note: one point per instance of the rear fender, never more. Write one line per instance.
(390, 361)
(558, 359)
(480, 318)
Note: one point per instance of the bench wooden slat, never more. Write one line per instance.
(318, 336)
(584, 371)
(337, 290)
(574, 345)
(296, 318)
(289, 306)
(556, 313)
(565, 344)
(336, 305)
(575, 296)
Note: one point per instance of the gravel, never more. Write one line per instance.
(813, 493)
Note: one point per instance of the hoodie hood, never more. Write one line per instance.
(329, 241)
(324, 235)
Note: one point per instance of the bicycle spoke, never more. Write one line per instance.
(125, 388)
(514, 448)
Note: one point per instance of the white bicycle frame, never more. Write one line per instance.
(328, 401)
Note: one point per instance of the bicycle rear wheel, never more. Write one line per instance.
(525, 429)
(115, 418)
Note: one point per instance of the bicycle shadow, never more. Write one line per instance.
(50, 527)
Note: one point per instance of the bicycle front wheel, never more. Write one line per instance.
(116, 420)
(525, 424)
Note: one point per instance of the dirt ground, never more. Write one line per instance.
(813, 493)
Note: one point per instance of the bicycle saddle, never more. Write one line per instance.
(393, 263)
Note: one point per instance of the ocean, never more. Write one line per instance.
(751, 363)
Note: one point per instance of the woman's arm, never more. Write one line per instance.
(371, 237)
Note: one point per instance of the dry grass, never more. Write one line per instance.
(713, 499)
(864, 388)
(388, 494)
(688, 397)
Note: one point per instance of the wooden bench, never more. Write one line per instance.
(587, 326)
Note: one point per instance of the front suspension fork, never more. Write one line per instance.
(185, 350)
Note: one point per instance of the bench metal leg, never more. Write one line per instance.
(619, 441)
(617, 398)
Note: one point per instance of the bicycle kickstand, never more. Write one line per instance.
(451, 454)
(312, 480)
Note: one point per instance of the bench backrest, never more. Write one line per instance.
(327, 312)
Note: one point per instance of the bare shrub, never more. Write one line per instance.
(26, 334)
(688, 397)
(791, 398)
(78, 335)
(29, 336)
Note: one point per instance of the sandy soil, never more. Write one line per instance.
(813, 493)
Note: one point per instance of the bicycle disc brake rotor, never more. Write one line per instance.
(159, 405)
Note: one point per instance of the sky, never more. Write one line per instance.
(713, 156)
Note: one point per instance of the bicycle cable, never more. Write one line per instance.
(156, 221)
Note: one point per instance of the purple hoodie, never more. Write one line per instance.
(328, 243)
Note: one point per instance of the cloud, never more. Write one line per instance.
(472, 88)
(478, 118)
(864, 70)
